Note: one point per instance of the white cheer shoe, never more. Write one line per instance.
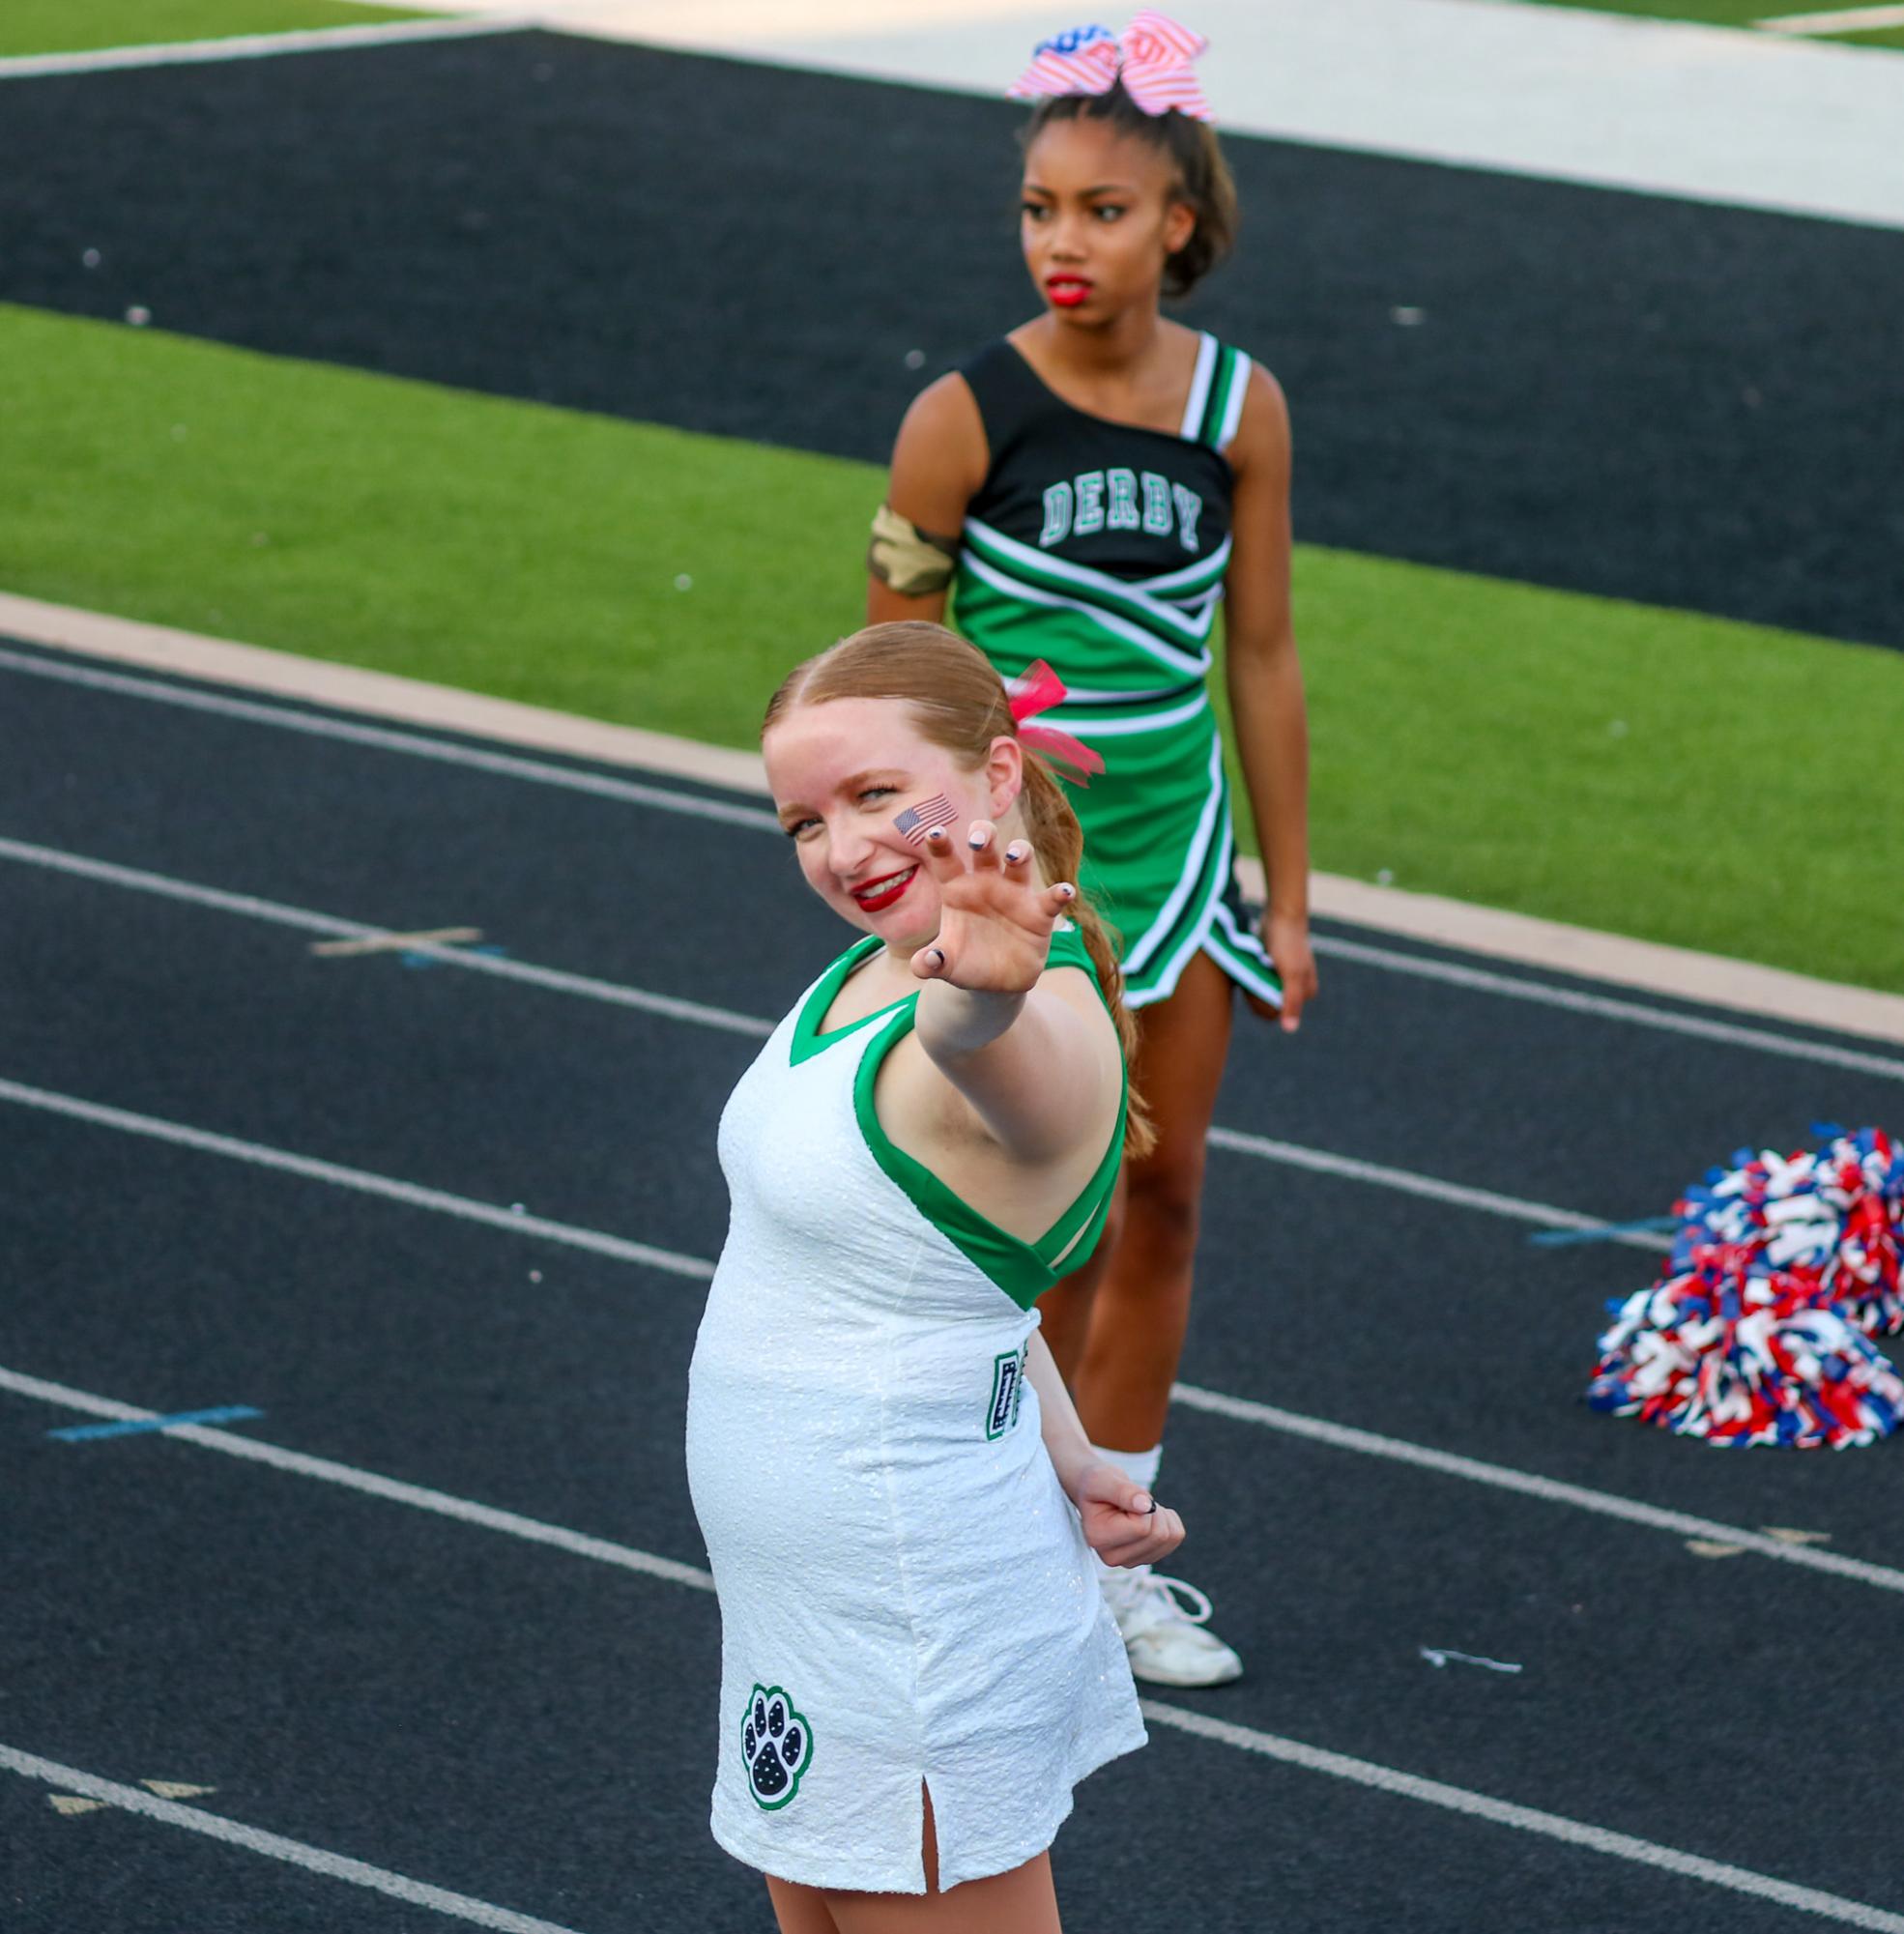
(1165, 1627)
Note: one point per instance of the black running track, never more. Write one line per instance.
(536, 1728)
(1653, 400)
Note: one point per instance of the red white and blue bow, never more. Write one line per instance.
(1151, 57)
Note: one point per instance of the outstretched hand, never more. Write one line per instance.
(1124, 1523)
(995, 921)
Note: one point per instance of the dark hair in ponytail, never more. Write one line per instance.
(958, 701)
(1204, 181)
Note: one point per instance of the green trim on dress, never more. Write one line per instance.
(1022, 1270)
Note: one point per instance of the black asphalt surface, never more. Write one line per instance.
(537, 1729)
(1627, 394)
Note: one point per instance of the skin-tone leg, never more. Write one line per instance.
(1023, 1901)
(799, 1909)
(1122, 1326)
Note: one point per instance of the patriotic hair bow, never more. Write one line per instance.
(1038, 689)
(1151, 57)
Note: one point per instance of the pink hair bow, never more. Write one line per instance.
(1151, 57)
(1038, 689)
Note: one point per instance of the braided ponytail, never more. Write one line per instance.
(1058, 840)
(958, 702)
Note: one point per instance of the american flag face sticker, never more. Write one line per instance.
(917, 821)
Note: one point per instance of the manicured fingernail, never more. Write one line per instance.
(1144, 1504)
(937, 958)
(978, 838)
(938, 832)
(1067, 893)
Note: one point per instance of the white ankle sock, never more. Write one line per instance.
(1140, 1466)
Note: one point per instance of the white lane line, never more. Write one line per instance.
(1315, 1160)
(1582, 955)
(304, 920)
(1525, 1819)
(1312, 1759)
(1486, 981)
(370, 1483)
(1291, 1154)
(1678, 1524)
(1525, 1483)
(274, 1846)
(363, 1180)
(387, 697)
(1456, 1194)
(665, 799)
(254, 47)
(1589, 957)
(445, 752)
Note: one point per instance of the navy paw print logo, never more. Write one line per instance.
(777, 1743)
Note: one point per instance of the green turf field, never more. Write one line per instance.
(1650, 773)
(68, 27)
(1738, 14)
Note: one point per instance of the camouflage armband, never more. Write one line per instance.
(907, 560)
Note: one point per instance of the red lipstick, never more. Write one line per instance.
(879, 894)
(1066, 291)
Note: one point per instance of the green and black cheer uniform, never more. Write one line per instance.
(1101, 547)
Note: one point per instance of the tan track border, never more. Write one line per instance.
(1678, 972)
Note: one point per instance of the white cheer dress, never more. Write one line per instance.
(905, 1594)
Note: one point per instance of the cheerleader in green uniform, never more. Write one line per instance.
(1091, 490)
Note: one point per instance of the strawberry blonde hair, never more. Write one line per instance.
(958, 703)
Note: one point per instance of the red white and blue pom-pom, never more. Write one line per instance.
(1759, 1329)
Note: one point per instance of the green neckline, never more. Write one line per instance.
(809, 1037)
(1022, 1270)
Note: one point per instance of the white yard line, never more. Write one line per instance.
(1678, 973)
(1663, 107)
(412, 1196)
(1525, 1819)
(261, 46)
(1245, 1739)
(272, 1846)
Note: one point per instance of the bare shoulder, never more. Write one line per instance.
(941, 456)
(1078, 992)
(944, 417)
